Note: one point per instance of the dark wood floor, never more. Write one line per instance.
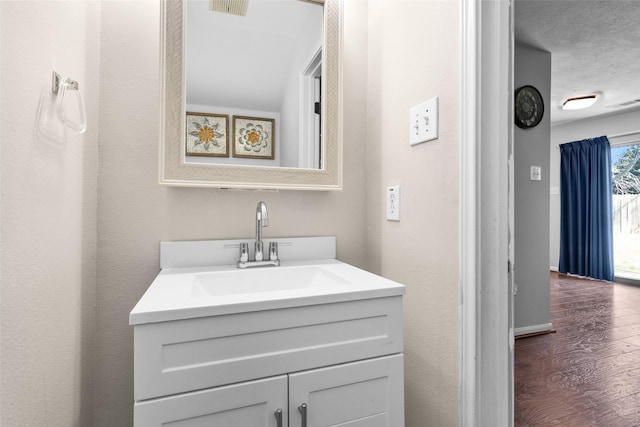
(588, 373)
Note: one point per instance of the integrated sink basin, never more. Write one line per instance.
(184, 293)
(268, 279)
(201, 279)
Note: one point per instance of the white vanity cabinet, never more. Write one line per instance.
(314, 342)
(343, 360)
(366, 393)
(360, 394)
(252, 403)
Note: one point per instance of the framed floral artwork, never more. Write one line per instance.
(253, 137)
(207, 135)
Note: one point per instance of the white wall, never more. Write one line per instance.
(135, 213)
(413, 57)
(48, 217)
(610, 125)
(531, 200)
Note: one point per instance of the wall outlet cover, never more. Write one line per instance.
(393, 203)
(535, 173)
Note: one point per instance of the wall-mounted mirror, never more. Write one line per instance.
(251, 98)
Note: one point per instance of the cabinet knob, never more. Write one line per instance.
(303, 411)
(278, 415)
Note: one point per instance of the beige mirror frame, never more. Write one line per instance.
(174, 171)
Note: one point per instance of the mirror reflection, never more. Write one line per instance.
(253, 82)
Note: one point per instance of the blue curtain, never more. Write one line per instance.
(586, 226)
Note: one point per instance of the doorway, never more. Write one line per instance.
(486, 112)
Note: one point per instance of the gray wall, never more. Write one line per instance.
(531, 210)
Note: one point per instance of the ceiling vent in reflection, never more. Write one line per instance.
(625, 104)
(234, 7)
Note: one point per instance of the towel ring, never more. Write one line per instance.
(59, 87)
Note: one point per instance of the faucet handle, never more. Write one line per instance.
(273, 251)
(258, 254)
(244, 252)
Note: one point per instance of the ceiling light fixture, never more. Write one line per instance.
(579, 102)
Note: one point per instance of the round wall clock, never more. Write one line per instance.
(529, 107)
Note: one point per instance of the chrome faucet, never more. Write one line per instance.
(262, 220)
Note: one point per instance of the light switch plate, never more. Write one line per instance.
(423, 122)
(393, 203)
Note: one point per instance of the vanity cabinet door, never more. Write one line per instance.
(248, 404)
(362, 394)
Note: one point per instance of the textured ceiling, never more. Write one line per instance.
(595, 49)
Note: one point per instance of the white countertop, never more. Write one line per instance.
(171, 295)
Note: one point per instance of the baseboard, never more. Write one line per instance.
(534, 329)
(553, 268)
(627, 280)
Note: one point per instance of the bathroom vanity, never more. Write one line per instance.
(311, 342)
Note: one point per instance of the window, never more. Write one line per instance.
(625, 161)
